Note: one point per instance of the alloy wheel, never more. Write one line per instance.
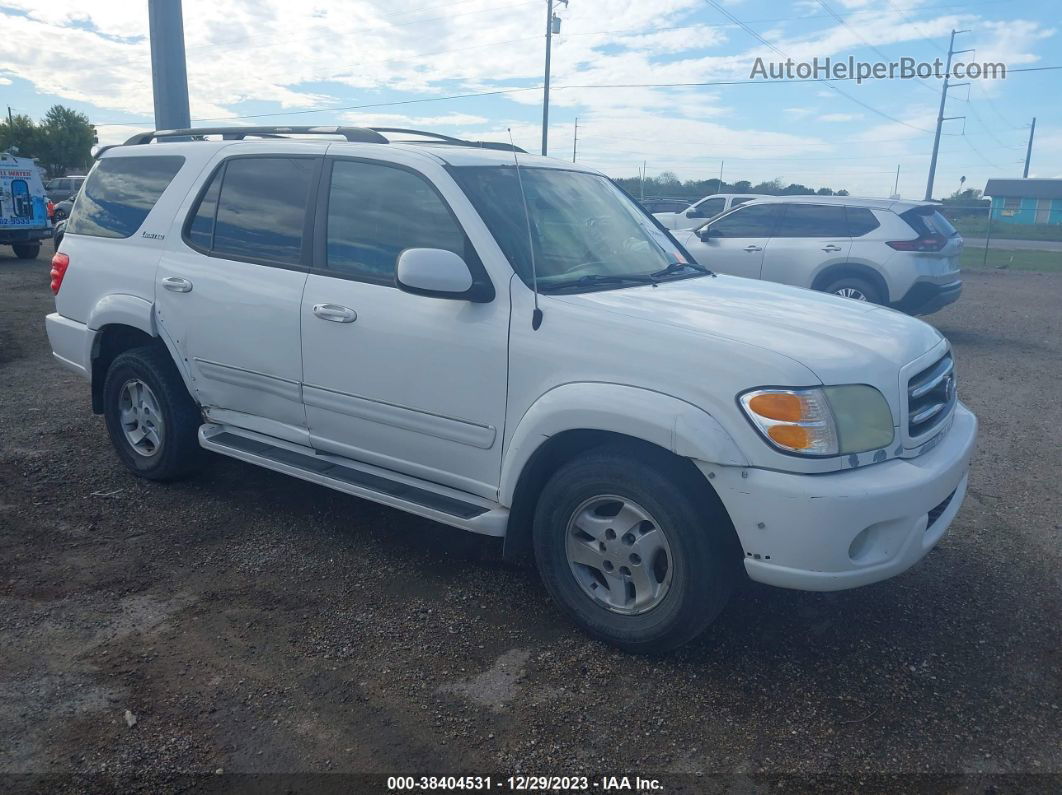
(619, 554)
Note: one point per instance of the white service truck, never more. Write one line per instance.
(23, 206)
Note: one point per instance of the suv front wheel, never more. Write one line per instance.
(152, 420)
(629, 545)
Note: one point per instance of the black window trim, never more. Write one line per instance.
(305, 255)
(482, 290)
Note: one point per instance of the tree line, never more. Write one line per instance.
(667, 184)
(61, 142)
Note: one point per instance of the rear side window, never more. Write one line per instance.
(860, 221)
(377, 211)
(755, 221)
(119, 194)
(255, 210)
(812, 220)
(927, 221)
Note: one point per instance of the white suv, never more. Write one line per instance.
(362, 314)
(902, 254)
(708, 207)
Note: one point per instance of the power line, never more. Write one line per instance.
(848, 96)
(522, 89)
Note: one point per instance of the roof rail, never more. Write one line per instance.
(371, 135)
(449, 140)
(353, 134)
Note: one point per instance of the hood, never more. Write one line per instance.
(833, 337)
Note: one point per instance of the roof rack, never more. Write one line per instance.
(353, 134)
(449, 140)
(370, 135)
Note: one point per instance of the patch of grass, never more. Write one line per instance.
(1012, 259)
(1001, 230)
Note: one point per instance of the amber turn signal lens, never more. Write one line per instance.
(786, 408)
(793, 436)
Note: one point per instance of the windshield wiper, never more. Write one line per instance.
(594, 279)
(675, 267)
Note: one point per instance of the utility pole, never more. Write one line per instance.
(896, 184)
(11, 123)
(575, 139)
(940, 114)
(641, 187)
(169, 74)
(1028, 151)
(720, 176)
(552, 26)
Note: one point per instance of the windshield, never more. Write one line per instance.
(585, 231)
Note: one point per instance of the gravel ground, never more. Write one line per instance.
(257, 624)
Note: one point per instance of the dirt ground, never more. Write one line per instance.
(253, 623)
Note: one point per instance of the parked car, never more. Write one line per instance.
(661, 205)
(506, 344)
(62, 209)
(902, 254)
(23, 206)
(63, 188)
(57, 234)
(708, 207)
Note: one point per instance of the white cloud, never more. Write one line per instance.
(367, 51)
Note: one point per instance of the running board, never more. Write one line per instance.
(422, 498)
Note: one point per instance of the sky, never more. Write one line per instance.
(404, 63)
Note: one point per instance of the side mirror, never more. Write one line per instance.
(695, 212)
(438, 273)
(704, 233)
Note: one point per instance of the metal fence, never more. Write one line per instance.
(996, 240)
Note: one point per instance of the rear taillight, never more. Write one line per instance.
(925, 243)
(60, 262)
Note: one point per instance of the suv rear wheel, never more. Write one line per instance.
(152, 420)
(629, 549)
(26, 250)
(854, 288)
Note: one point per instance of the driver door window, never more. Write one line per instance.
(709, 208)
(737, 241)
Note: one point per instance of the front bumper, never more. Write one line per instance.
(846, 529)
(924, 298)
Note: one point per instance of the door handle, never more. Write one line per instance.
(753, 248)
(335, 313)
(831, 247)
(176, 284)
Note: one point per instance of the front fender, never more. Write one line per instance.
(654, 417)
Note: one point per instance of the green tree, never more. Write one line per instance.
(67, 140)
(21, 136)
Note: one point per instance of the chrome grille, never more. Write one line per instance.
(930, 397)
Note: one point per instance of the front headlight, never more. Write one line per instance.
(822, 421)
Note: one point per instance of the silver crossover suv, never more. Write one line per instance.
(902, 254)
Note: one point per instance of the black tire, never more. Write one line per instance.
(26, 250)
(863, 287)
(178, 454)
(699, 533)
